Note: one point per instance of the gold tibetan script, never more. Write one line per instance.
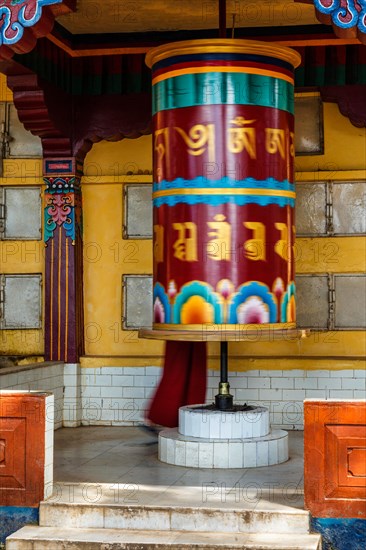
(218, 248)
(158, 243)
(255, 248)
(185, 247)
(161, 141)
(275, 141)
(161, 146)
(292, 144)
(199, 139)
(242, 138)
(282, 246)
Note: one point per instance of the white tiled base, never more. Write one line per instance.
(48, 444)
(194, 452)
(195, 421)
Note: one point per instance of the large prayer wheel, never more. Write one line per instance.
(223, 192)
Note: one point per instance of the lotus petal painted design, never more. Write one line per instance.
(161, 305)
(278, 288)
(253, 311)
(197, 303)
(264, 302)
(225, 287)
(288, 305)
(172, 290)
(159, 312)
(196, 311)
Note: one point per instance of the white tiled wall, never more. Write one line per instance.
(119, 395)
(116, 396)
(48, 444)
(40, 377)
(72, 395)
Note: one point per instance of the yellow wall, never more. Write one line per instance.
(344, 158)
(22, 257)
(107, 256)
(344, 150)
(344, 147)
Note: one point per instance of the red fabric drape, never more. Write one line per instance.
(183, 382)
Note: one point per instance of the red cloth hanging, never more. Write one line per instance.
(183, 382)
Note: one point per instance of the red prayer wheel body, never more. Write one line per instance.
(223, 191)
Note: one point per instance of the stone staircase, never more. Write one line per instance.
(106, 526)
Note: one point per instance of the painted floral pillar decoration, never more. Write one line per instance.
(22, 22)
(223, 191)
(348, 17)
(63, 269)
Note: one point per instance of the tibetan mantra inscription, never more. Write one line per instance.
(224, 191)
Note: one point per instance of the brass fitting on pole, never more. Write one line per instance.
(224, 388)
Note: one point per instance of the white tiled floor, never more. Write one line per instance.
(100, 464)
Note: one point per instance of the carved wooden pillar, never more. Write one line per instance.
(64, 338)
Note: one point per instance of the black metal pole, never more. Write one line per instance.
(223, 361)
(222, 18)
(224, 400)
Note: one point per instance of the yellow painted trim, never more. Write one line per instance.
(22, 181)
(323, 176)
(93, 362)
(349, 344)
(330, 255)
(224, 327)
(242, 364)
(5, 93)
(321, 42)
(144, 49)
(96, 52)
(307, 94)
(27, 342)
(115, 179)
(223, 191)
(300, 176)
(236, 364)
(22, 172)
(222, 69)
(222, 45)
(21, 256)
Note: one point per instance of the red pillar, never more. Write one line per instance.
(64, 338)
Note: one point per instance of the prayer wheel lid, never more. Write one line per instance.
(222, 45)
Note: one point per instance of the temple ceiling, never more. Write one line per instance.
(67, 56)
(109, 16)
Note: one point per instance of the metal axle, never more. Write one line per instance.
(224, 400)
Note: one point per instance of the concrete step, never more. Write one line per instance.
(107, 516)
(54, 538)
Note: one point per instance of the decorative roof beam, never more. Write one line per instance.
(22, 22)
(44, 111)
(347, 17)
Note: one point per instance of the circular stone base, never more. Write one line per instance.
(194, 452)
(211, 423)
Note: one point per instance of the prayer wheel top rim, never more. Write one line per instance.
(222, 45)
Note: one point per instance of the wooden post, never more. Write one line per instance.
(64, 338)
